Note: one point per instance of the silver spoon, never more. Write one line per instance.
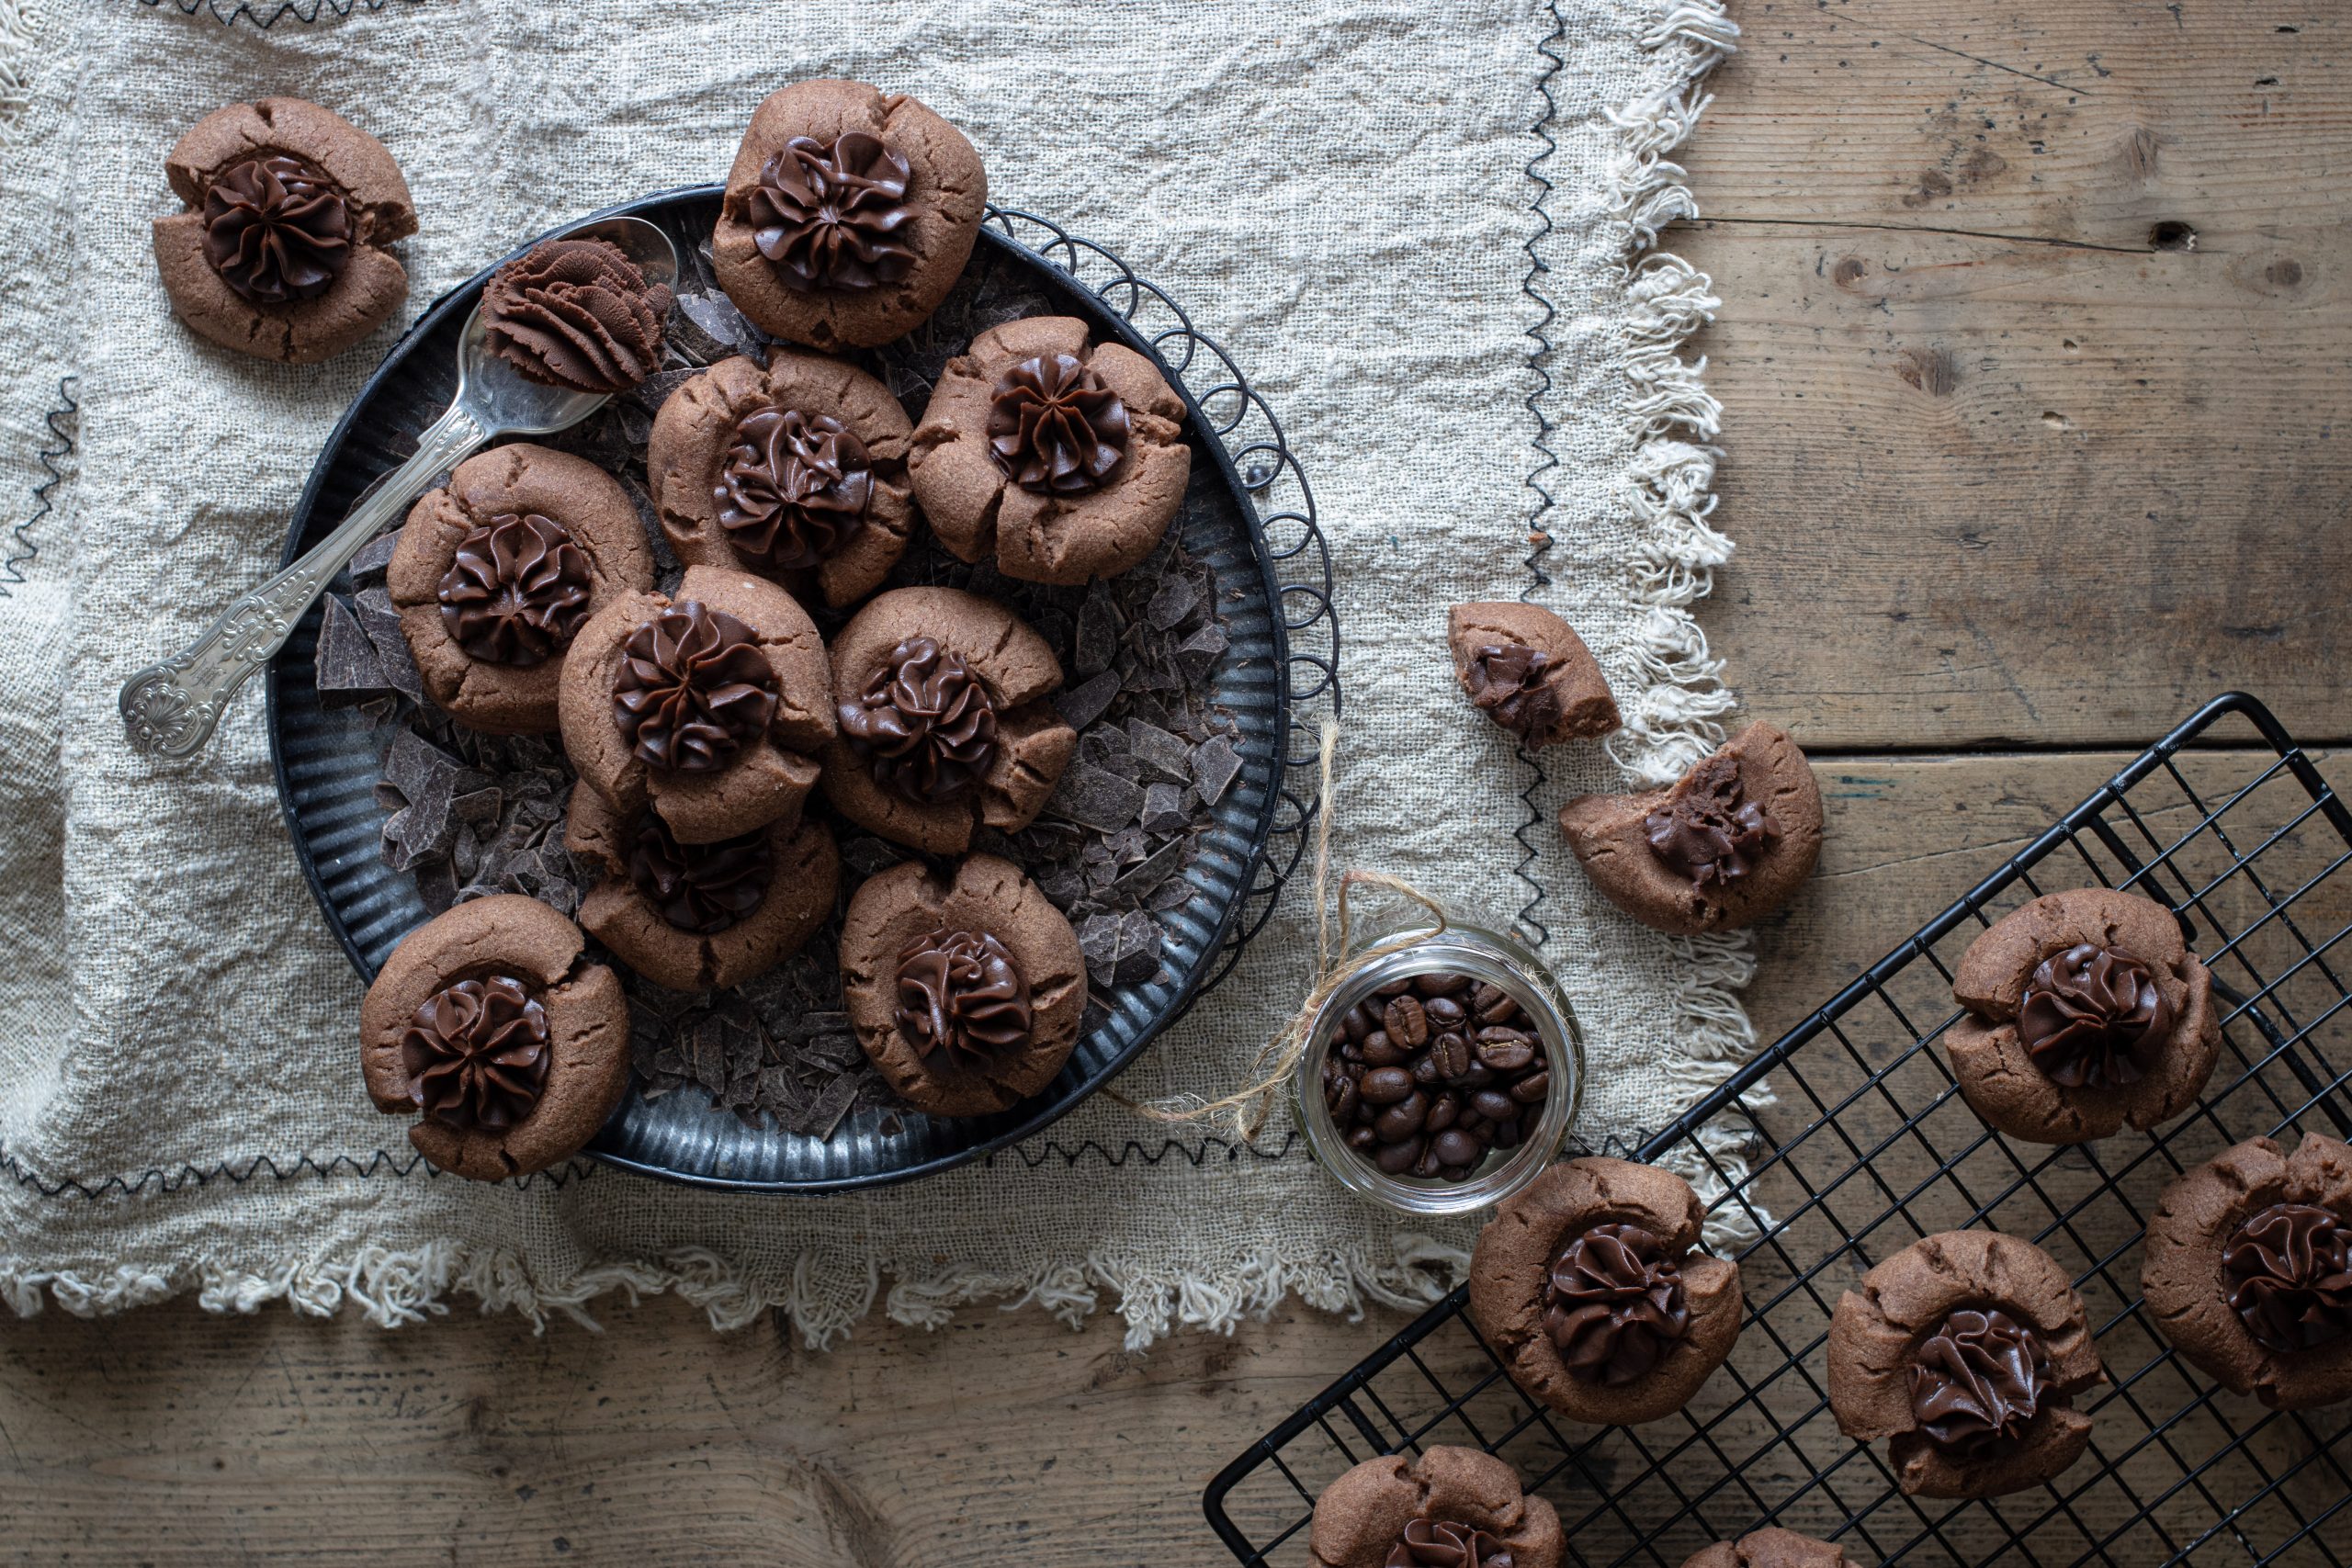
(169, 708)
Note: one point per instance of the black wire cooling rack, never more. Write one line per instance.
(1866, 1146)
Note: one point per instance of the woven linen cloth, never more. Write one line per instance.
(1423, 232)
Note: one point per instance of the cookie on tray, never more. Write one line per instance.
(1965, 1351)
(712, 705)
(943, 722)
(1770, 1547)
(1451, 1505)
(2248, 1271)
(1725, 845)
(1058, 459)
(280, 254)
(2085, 1012)
(497, 571)
(797, 472)
(1527, 670)
(848, 216)
(487, 1026)
(965, 987)
(1589, 1285)
(699, 917)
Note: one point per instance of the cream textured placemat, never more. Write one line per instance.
(1423, 232)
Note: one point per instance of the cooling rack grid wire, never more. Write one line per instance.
(1868, 1147)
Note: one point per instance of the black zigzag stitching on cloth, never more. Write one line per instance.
(22, 549)
(381, 1163)
(1194, 1154)
(263, 15)
(1539, 538)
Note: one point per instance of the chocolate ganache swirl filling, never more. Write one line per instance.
(925, 724)
(693, 689)
(792, 488)
(1054, 428)
(1507, 681)
(275, 230)
(1979, 1382)
(476, 1053)
(2093, 1018)
(831, 214)
(1710, 832)
(576, 314)
(1613, 1304)
(1443, 1543)
(960, 992)
(2289, 1272)
(516, 591)
(702, 888)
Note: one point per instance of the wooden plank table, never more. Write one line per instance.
(2034, 350)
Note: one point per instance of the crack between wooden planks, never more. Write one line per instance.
(1929, 228)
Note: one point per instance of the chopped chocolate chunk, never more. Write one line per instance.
(374, 555)
(1163, 809)
(1163, 756)
(381, 622)
(348, 668)
(1085, 702)
(1198, 654)
(1137, 958)
(1095, 798)
(1139, 883)
(1173, 604)
(1215, 764)
(1098, 631)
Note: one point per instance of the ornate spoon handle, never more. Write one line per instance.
(169, 708)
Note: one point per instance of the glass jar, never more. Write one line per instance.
(1482, 954)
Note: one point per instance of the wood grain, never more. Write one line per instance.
(171, 1438)
(2033, 359)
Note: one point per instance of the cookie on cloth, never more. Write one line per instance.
(496, 571)
(1770, 1547)
(697, 917)
(2085, 1012)
(944, 725)
(1587, 1285)
(2248, 1271)
(712, 705)
(797, 472)
(1725, 845)
(848, 216)
(1527, 670)
(965, 987)
(1965, 1350)
(486, 1026)
(280, 254)
(1059, 459)
(1451, 1505)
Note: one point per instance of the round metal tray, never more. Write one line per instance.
(1248, 514)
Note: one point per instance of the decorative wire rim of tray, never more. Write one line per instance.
(1269, 493)
(2178, 1469)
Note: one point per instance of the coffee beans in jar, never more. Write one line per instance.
(1432, 1074)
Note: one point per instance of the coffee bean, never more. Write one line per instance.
(1530, 1088)
(1342, 1098)
(1491, 1004)
(1403, 1119)
(1505, 1050)
(1442, 1111)
(1429, 1165)
(1507, 1134)
(1477, 1075)
(1363, 1139)
(1398, 1159)
(1443, 983)
(1387, 1086)
(1528, 1118)
(1382, 1052)
(1452, 1054)
(1355, 1025)
(1394, 987)
(1456, 1149)
(1405, 1022)
(1426, 1071)
(1444, 1013)
(1494, 1105)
